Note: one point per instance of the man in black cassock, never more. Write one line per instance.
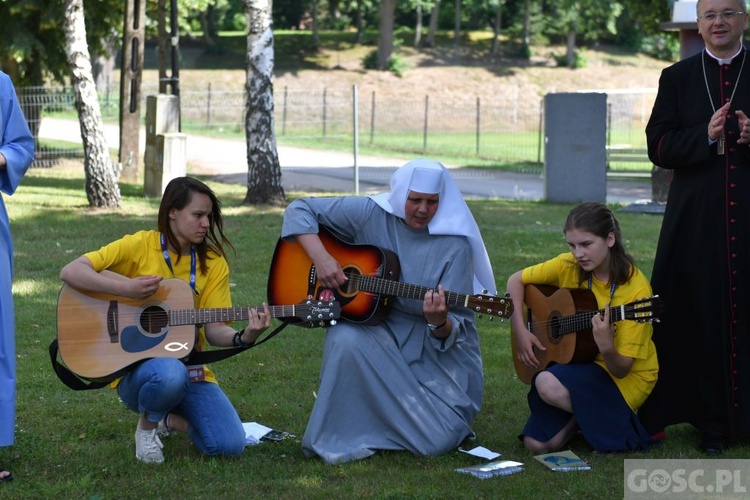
(699, 130)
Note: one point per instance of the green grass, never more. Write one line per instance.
(80, 444)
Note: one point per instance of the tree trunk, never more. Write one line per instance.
(103, 67)
(526, 43)
(571, 49)
(360, 23)
(333, 13)
(432, 33)
(418, 27)
(457, 23)
(208, 26)
(385, 37)
(101, 175)
(496, 28)
(315, 29)
(264, 170)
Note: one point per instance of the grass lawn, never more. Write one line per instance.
(80, 444)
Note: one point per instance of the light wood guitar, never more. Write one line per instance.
(561, 319)
(373, 273)
(101, 335)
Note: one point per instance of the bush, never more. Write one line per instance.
(396, 63)
(663, 47)
(561, 60)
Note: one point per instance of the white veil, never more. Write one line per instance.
(453, 215)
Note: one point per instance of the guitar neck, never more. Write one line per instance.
(582, 320)
(398, 289)
(221, 315)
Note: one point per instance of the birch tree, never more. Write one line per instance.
(264, 170)
(102, 175)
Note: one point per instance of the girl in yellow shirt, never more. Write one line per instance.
(167, 394)
(599, 398)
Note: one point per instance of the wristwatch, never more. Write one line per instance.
(436, 327)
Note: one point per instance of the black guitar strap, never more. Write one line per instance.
(68, 377)
(194, 358)
(205, 357)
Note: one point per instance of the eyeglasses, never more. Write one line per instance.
(727, 15)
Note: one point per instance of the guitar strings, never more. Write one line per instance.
(174, 317)
(376, 284)
(582, 319)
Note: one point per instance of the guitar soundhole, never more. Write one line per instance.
(350, 289)
(554, 330)
(154, 320)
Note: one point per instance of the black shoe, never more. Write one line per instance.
(713, 444)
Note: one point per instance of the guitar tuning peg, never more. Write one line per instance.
(332, 322)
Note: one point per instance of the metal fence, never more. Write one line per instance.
(504, 129)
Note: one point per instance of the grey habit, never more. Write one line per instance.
(394, 386)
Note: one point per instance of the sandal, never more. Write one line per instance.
(8, 477)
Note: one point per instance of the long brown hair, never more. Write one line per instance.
(177, 195)
(597, 219)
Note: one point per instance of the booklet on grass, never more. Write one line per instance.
(492, 469)
(562, 461)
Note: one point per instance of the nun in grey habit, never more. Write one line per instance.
(414, 381)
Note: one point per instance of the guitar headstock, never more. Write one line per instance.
(318, 312)
(491, 305)
(644, 310)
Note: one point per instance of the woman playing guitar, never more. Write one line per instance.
(189, 245)
(414, 380)
(601, 395)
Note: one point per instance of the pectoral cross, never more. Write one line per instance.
(720, 145)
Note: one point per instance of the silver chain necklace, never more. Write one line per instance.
(721, 140)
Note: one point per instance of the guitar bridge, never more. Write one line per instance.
(113, 321)
(311, 279)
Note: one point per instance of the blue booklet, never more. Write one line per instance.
(562, 461)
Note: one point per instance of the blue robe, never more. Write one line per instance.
(18, 148)
(394, 386)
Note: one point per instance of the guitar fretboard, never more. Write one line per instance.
(221, 315)
(582, 320)
(399, 289)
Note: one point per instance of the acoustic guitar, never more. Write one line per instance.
(561, 319)
(101, 335)
(367, 296)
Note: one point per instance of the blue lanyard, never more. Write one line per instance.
(165, 253)
(611, 291)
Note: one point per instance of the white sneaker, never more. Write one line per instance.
(148, 446)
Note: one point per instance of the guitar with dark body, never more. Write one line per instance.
(367, 296)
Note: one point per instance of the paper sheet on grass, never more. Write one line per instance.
(481, 452)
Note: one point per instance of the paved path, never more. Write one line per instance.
(315, 170)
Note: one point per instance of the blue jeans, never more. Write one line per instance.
(161, 385)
